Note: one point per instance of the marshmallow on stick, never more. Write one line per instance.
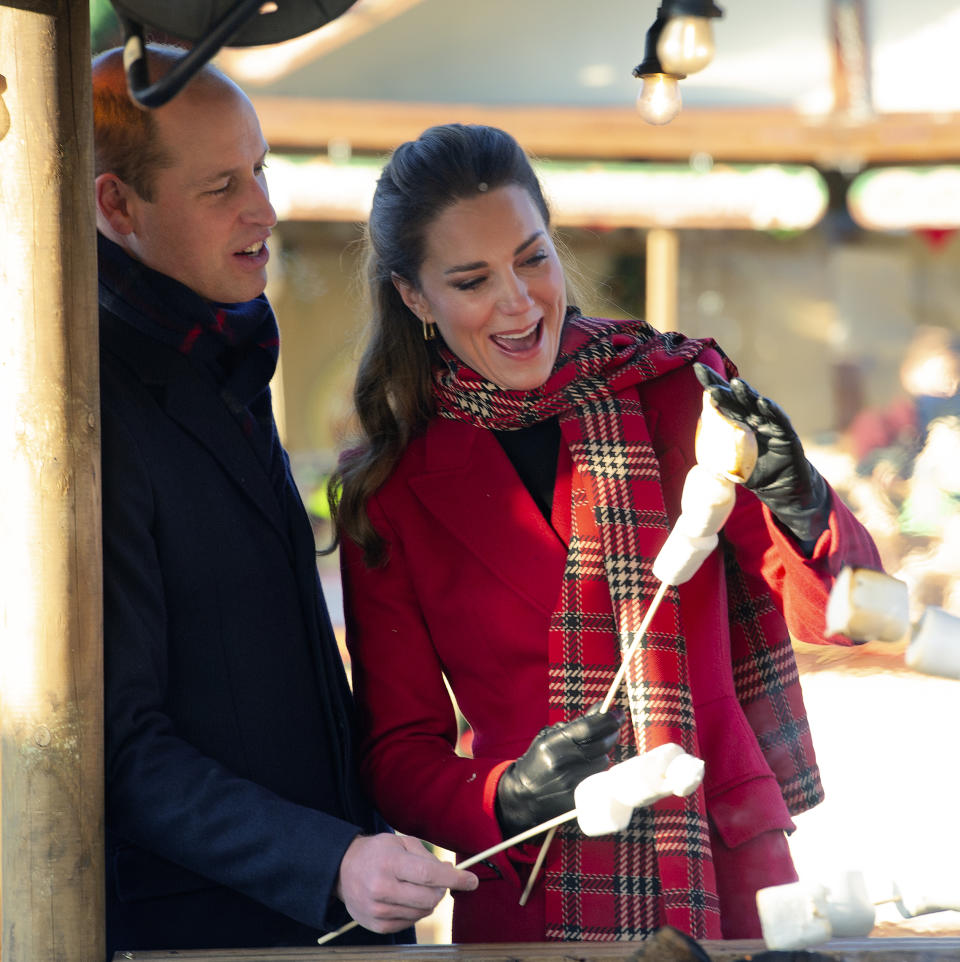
(599, 812)
(868, 605)
(724, 447)
(726, 456)
(706, 502)
(605, 801)
(933, 895)
(665, 770)
(680, 556)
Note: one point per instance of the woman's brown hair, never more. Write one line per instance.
(392, 392)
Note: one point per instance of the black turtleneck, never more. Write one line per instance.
(533, 453)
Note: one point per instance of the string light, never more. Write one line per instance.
(658, 101)
(686, 42)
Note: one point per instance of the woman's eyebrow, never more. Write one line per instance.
(476, 265)
(528, 242)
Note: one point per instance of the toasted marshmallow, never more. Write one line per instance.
(725, 448)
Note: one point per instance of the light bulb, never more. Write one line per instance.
(686, 44)
(659, 99)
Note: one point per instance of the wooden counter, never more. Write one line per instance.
(845, 950)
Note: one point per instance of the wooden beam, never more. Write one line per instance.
(753, 135)
(51, 734)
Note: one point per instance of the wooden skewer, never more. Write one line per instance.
(631, 651)
(548, 825)
(605, 706)
(537, 865)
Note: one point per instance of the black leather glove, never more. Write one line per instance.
(784, 480)
(539, 784)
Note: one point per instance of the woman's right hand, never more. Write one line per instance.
(539, 785)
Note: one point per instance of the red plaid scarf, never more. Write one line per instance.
(659, 871)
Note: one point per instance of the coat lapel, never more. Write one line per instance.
(472, 489)
(190, 397)
(192, 402)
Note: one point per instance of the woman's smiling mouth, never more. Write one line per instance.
(520, 341)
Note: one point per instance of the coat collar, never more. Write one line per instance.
(189, 395)
(469, 485)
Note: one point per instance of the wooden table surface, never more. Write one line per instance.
(938, 949)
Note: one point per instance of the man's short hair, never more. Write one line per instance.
(125, 136)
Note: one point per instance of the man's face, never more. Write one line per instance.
(210, 215)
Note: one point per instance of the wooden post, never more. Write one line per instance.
(850, 48)
(662, 255)
(51, 743)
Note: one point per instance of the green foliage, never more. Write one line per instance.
(104, 27)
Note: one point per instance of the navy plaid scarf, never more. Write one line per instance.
(237, 344)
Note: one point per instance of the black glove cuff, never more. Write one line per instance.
(805, 518)
(507, 826)
(512, 805)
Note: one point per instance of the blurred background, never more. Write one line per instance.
(801, 209)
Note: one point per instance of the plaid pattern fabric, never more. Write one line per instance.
(767, 683)
(659, 871)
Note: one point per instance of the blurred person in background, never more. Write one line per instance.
(518, 469)
(907, 487)
(895, 432)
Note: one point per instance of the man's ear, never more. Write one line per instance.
(411, 297)
(114, 202)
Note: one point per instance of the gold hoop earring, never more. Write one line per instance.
(429, 329)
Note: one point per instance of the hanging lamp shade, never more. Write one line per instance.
(192, 20)
(209, 25)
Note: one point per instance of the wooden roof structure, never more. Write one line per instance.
(841, 84)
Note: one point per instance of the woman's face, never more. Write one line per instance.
(492, 283)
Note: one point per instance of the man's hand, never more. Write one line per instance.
(388, 882)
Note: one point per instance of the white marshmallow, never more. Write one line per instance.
(934, 894)
(935, 645)
(684, 774)
(725, 448)
(662, 771)
(681, 556)
(706, 502)
(849, 909)
(794, 916)
(868, 605)
(598, 811)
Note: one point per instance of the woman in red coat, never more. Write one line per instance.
(520, 467)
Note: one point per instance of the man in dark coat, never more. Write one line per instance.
(233, 813)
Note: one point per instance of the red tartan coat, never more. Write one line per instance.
(472, 578)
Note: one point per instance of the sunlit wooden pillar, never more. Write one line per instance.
(51, 755)
(662, 279)
(851, 73)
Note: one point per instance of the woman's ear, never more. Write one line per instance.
(411, 296)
